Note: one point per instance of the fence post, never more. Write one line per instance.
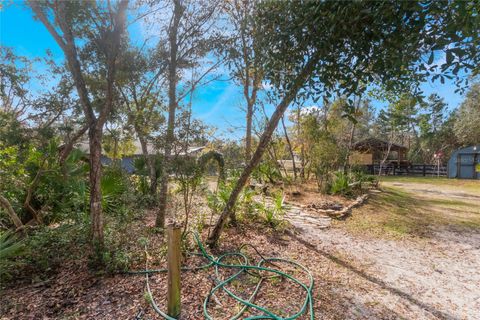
(174, 259)
(424, 170)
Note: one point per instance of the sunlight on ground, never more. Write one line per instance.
(413, 207)
(467, 184)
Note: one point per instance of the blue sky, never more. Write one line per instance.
(218, 103)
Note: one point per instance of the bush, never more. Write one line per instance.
(116, 257)
(10, 249)
(216, 201)
(273, 214)
(43, 250)
(340, 184)
(348, 184)
(266, 172)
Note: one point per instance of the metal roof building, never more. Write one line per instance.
(464, 163)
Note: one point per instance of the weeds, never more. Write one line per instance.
(273, 214)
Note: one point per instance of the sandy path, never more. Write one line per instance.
(436, 278)
(436, 191)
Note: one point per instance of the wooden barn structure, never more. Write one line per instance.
(372, 151)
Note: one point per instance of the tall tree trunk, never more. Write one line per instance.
(150, 160)
(68, 147)
(385, 156)
(153, 175)
(262, 145)
(273, 154)
(96, 214)
(248, 132)
(350, 139)
(66, 40)
(290, 149)
(302, 145)
(172, 107)
(11, 213)
(349, 149)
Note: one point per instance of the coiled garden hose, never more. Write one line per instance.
(254, 270)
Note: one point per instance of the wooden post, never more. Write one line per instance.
(174, 259)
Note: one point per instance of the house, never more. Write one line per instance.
(372, 151)
(127, 162)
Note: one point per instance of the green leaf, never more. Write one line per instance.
(449, 57)
(432, 57)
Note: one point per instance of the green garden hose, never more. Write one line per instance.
(255, 270)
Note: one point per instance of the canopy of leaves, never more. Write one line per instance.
(381, 42)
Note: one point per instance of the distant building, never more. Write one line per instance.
(464, 163)
(373, 151)
(127, 162)
(287, 164)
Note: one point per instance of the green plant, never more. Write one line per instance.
(216, 201)
(340, 184)
(44, 249)
(273, 213)
(265, 172)
(10, 248)
(142, 173)
(116, 260)
(246, 202)
(117, 193)
(188, 175)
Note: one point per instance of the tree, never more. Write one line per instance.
(308, 44)
(322, 135)
(15, 74)
(118, 143)
(189, 39)
(431, 126)
(140, 90)
(359, 116)
(90, 35)
(28, 124)
(243, 58)
(387, 126)
(467, 122)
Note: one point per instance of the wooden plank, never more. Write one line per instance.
(174, 261)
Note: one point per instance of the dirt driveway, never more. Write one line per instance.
(413, 250)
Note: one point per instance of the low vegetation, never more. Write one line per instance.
(398, 211)
(102, 145)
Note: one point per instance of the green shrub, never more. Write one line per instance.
(118, 196)
(273, 214)
(350, 183)
(265, 172)
(10, 249)
(44, 249)
(340, 184)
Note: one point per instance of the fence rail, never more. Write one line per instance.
(410, 170)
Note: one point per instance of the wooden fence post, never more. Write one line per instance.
(174, 260)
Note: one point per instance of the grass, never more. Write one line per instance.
(398, 213)
(467, 184)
